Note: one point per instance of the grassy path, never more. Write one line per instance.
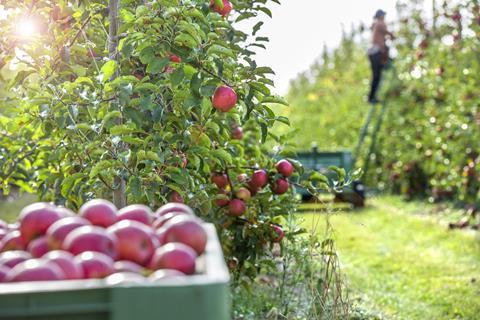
(407, 266)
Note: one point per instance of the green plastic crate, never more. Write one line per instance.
(205, 296)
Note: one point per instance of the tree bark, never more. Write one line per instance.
(119, 194)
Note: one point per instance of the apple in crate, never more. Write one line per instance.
(58, 231)
(12, 241)
(99, 212)
(38, 247)
(124, 278)
(136, 212)
(35, 270)
(135, 241)
(127, 266)
(158, 223)
(65, 261)
(36, 218)
(173, 207)
(14, 257)
(3, 273)
(187, 230)
(95, 265)
(177, 256)
(91, 238)
(163, 274)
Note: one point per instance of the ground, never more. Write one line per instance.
(404, 264)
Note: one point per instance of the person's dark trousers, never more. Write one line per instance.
(377, 66)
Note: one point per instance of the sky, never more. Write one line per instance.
(300, 28)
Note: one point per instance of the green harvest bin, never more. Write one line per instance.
(204, 296)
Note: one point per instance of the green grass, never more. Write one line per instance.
(406, 265)
(9, 210)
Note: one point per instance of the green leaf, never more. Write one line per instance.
(101, 166)
(275, 99)
(108, 70)
(222, 154)
(157, 65)
(216, 49)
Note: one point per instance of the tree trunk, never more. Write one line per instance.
(119, 195)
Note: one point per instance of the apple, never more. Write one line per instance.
(175, 58)
(280, 186)
(65, 212)
(227, 7)
(65, 261)
(14, 257)
(223, 201)
(3, 225)
(279, 234)
(171, 207)
(13, 226)
(38, 247)
(242, 177)
(224, 99)
(236, 207)
(161, 275)
(220, 180)
(35, 270)
(136, 212)
(95, 265)
(3, 233)
(187, 230)
(58, 231)
(124, 278)
(35, 220)
(237, 133)
(163, 219)
(243, 194)
(259, 179)
(127, 266)
(177, 256)
(134, 241)
(91, 238)
(160, 234)
(3, 273)
(99, 212)
(176, 197)
(12, 241)
(284, 167)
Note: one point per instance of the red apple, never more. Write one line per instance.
(162, 274)
(14, 257)
(279, 234)
(160, 234)
(65, 212)
(124, 278)
(237, 133)
(175, 58)
(99, 212)
(35, 220)
(220, 180)
(12, 241)
(3, 273)
(3, 233)
(280, 186)
(176, 197)
(38, 247)
(127, 266)
(223, 201)
(284, 167)
(259, 179)
(35, 270)
(158, 223)
(65, 261)
(171, 207)
(224, 99)
(227, 7)
(253, 188)
(134, 241)
(95, 265)
(243, 194)
(236, 207)
(58, 231)
(177, 256)
(187, 230)
(136, 212)
(91, 238)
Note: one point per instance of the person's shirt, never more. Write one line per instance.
(379, 33)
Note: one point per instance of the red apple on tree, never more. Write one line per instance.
(224, 99)
(278, 231)
(237, 133)
(236, 207)
(243, 194)
(136, 212)
(35, 220)
(134, 241)
(280, 186)
(259, 179)
(176, 197)
(220, 180)
(95, 265)
(177, 256)
(284, 167)
(225, 10)
(65, 261)
(91, 238)
(222, 202)
(58, 231)
(187, 230)
(99, 212)
(175, 58)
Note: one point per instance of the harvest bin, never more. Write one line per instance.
(204, 296)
